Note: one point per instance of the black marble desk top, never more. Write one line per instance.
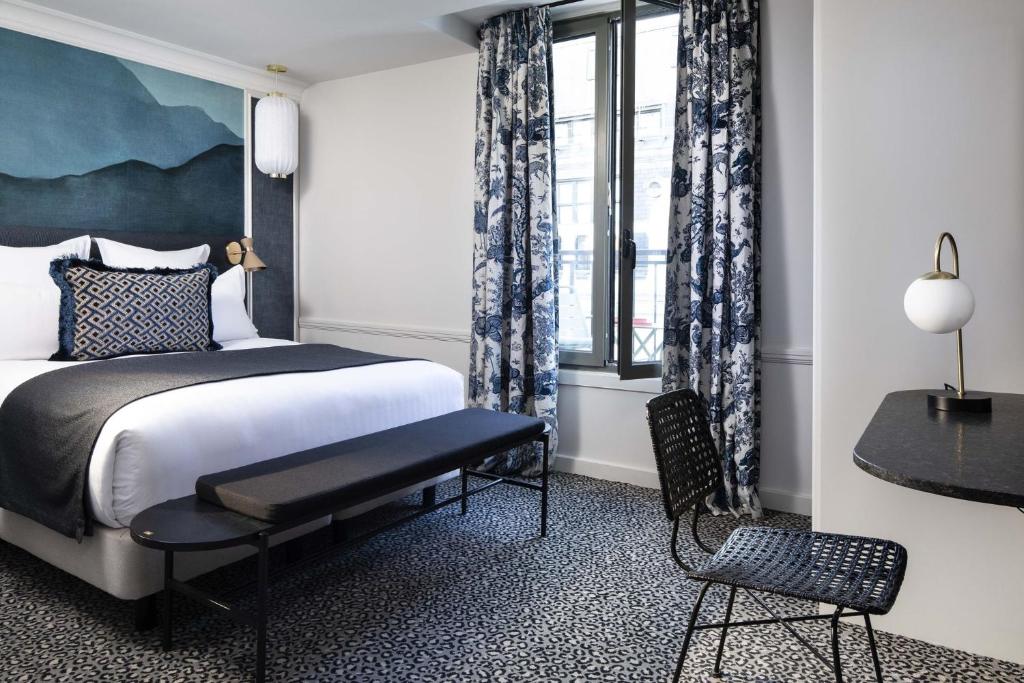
(960, 455)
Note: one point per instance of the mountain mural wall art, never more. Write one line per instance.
(90, 141)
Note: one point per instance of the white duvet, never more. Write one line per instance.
(155, 448)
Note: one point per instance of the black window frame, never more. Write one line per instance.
(598, 26)
(615, 256)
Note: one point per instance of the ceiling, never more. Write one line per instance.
(318, 40)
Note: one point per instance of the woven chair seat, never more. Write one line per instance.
(852, 572)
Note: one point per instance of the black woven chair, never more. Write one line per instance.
(861, 575)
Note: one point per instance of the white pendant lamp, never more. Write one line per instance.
(276, 150)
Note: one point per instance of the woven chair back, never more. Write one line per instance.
(688, 464)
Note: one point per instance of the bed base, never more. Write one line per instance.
(137, 579)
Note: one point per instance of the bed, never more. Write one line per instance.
(155, 448)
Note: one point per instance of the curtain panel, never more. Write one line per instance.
(514, 340)
(713, 291)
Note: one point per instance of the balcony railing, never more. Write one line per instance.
(576, 285)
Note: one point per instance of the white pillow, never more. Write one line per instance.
(30, 299)
(32, 313)
(120, 255)
(227, 298)
(31, 265)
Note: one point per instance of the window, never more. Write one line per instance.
(574, 131)
(612, 243)
(576, 175)
(576, 203)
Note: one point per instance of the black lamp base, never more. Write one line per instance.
(970, 403)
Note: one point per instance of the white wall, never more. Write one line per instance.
(386, 205)
(919, 128)
(786, 268)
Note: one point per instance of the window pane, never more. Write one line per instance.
(561, 134)
(583, 131)
(656, 45)
(574, 95)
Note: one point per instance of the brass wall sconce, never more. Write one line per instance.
(241, 252)
(940, 302)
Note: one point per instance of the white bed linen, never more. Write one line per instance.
(155, 448)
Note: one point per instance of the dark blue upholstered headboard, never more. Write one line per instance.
(273, 229)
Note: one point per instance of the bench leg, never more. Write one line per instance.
(465, 491)
(165, 616)
(430, 496)
(544, 489)
(263, 578)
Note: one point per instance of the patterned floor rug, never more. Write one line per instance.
(457, 599)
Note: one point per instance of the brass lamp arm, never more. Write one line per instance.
(959, 333)
(952, 247)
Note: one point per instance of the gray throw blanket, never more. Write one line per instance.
(50, 424)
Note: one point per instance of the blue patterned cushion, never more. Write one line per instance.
(107, 312)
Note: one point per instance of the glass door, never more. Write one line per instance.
(648, 35)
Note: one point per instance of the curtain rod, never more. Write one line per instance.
(672, 4)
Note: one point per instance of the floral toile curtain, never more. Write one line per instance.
(712, 307)
(514, 341)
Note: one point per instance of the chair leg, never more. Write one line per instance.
(689, 631)
(725, 629)
(874, 649)
(837, 666)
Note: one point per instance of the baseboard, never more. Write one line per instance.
(771, 499)
(599, 469)
(785, 501)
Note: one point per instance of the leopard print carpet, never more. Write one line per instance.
(457, 599)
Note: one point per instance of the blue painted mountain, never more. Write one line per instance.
(206, 194)
(67, 111)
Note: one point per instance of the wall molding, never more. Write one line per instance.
(771, 499)
(377, 329)
(796, 355)
(780, 355)
(44, 22)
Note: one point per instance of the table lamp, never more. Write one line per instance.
(940, 302)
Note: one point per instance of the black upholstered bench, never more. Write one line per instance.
(249, 505)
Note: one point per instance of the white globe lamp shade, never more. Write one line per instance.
(276, 150)
(938, 302)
